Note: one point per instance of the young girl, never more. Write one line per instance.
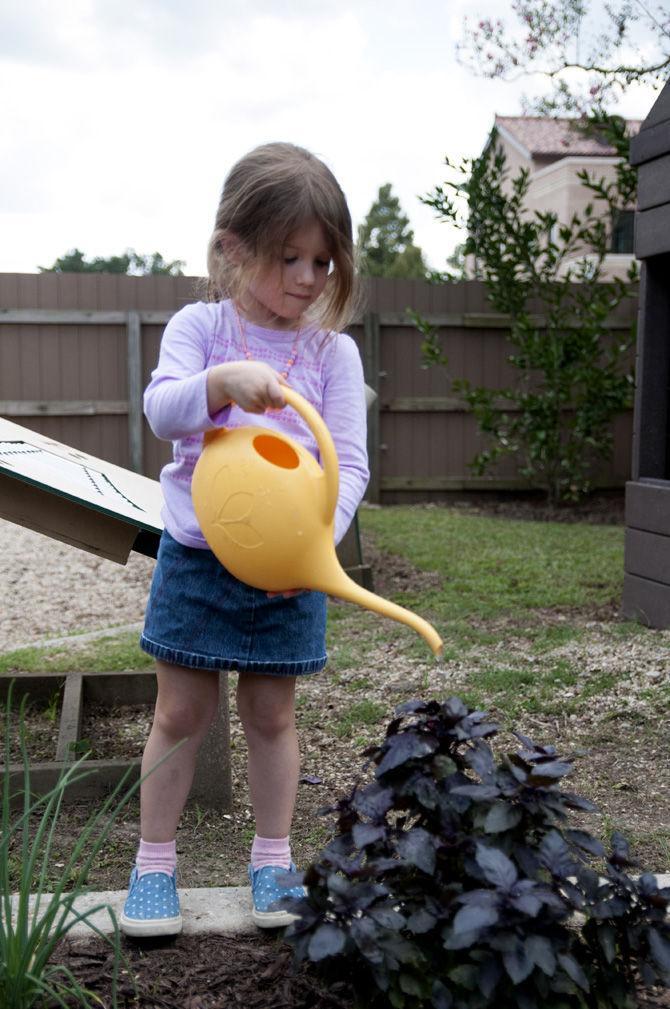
(281, 283)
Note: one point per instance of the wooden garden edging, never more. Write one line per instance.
(212, 786)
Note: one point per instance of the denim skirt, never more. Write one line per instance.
(199, 615)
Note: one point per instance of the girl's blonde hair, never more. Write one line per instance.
(269, 194)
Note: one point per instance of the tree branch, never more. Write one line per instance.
(612, 72)
(606, 71)
(652, 18)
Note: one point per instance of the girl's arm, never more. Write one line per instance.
(185, 396)
(175, 401)
(345, 414)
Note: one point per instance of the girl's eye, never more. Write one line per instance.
(290, 259)
(323, 264)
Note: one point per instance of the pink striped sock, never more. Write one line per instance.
(156, 857)
(270, 851)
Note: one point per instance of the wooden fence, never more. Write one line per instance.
(76, 351)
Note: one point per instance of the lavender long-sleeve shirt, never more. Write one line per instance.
(329, 376)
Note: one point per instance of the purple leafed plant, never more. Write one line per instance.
(455, 880)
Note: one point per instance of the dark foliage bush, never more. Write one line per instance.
(453, 880)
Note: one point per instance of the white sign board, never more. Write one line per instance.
(124, 502)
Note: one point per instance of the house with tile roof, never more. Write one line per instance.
(554, 151)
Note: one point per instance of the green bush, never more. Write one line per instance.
(457, 882)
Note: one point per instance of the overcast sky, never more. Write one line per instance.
(120, 119)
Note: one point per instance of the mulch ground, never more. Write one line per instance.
(603, 508)
(219, 972)
(203, 972)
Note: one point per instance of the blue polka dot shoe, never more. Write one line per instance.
(267, 887)
(152, 905)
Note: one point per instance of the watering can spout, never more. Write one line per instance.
(341, 585)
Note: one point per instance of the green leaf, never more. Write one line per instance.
(396, 998)
(410, 985)
(465, 975)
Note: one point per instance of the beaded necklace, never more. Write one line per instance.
(247, 353)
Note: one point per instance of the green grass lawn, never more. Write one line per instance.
(492, 566)
(515, 602)
(114, 653)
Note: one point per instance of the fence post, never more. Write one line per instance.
(135, 447)
(212, 783)
(371, 369)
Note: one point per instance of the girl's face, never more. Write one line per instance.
(283, 291)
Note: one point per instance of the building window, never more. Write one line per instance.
(622, 231)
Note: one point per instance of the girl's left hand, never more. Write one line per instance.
(287, 595)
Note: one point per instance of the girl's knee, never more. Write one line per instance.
(265, 718)
(187, 701)
(180, 717)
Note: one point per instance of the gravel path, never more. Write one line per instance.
(50, 589)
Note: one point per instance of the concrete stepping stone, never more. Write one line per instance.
(224, 909)
(204, 909)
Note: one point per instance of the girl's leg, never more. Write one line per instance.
(186, 704)
(266, 706)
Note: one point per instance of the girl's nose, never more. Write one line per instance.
(306, 275)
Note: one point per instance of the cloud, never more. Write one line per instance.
(120, 119)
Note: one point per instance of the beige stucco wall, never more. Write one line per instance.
(515, 160)
(616, 264)
(556, 187)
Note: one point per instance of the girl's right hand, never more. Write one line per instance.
(254, 386)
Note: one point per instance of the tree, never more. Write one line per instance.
(572, 377)
(587, 53)
(386, 241)
(130, 262)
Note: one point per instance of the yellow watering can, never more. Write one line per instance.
(266, 509)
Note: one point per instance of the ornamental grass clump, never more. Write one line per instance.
(34, 922)
(455, 880)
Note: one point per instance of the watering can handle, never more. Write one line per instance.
(331, 468)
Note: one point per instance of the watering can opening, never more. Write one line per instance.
(277, 451)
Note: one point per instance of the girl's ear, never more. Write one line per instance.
(231, 247)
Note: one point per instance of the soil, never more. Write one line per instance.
(109, 733)
(603, 508)
(41, 733)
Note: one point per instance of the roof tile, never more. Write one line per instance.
(546, 136)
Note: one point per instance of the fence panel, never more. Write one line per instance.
(76, 350)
